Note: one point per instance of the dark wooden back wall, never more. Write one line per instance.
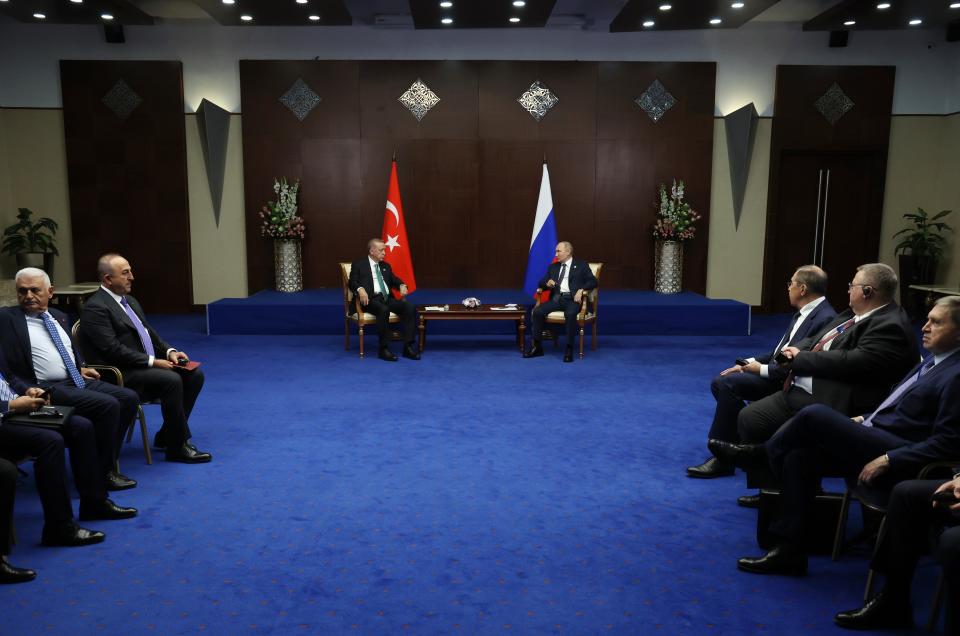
(470, 170)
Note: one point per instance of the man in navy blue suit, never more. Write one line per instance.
(761, 376)
(567, 279)
(919, 422)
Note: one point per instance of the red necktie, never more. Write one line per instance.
(827, 337)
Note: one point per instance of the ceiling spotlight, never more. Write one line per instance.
(955, 5)
(514, 19)
(40, 16)
(849, 23)
(73, 1)
(666, 7)
(736, 5)
(228, 1)
(446, 5)
(106, 16)
(313, 18)
(447, 20)
(519, 3)
(883, 5)
(648, 23)
(246, 18)
(715, 21)
(916, 21)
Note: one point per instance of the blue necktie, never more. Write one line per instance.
(6, 393)
(62, 350)
(894, 397)
(785, 339)
(141, 330)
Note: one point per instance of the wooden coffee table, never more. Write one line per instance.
(457, 311)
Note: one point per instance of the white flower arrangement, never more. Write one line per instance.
(280, 220)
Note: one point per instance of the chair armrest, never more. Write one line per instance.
(113, 371)
(948, 464)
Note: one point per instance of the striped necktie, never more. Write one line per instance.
(894, 397)
(827, 337)
(62, 350)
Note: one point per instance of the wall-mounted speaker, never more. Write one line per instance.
(838, 39)
(113, 33)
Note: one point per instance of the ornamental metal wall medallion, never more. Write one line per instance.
(419, 99)
(300, 99)
(656, 101)
(538, 100)
(834, 104)
(121, 100)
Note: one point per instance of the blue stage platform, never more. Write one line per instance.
(622, 312)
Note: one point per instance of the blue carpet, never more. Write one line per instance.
(472, 492)
(621, 312)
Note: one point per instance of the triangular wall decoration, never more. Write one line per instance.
(741, 126)
(214, 124)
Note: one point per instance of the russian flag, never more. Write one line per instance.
(543, 242)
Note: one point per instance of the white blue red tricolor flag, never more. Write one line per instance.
(543, 241)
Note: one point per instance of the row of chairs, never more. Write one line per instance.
(353, 312)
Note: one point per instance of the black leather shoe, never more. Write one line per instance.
(116, 481)
(410, 352)
(70, 535)
(749, 501)
(535, 351)
(568, 355)
(739, 455)
(12, 574)
(710, 469)
(782, 559)
(104, 510)
(879, 612)
(188, 454)
(386, 354)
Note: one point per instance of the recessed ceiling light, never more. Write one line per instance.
(736, 5)
(228, 1)
(849, 23)
(447, 20)
(648, 23)
(955, 5)
(883, 5)
(519, 3)
(916, 21)
(314, 18)
(715, 20)
(514, 19)
(246, 18)
(302, 1)
(40, 16)
(106, 16)
(73, 1)
(446, 5)
(666, 7)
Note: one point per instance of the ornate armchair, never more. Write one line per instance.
(353, 312)
(588, 311)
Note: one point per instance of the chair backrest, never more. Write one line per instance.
(594, 296)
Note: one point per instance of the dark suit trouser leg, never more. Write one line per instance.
(819, 442)
(759, 420)
(948, 554)
(49, 468)
(570, 311)
(177, 392)
(408, 316)
(99, 403)
(731, 393)
(539, 315)
(80, 438)
(8, 491)
(910, 521)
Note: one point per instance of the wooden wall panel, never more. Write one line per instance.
(470, 170)
(128, 177)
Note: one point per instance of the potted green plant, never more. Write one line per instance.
(921, 246)
(32, 242)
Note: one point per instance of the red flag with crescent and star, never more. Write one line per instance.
(395, 236)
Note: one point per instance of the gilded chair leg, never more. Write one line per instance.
(361, 340)
(581, 342)
(841, 525)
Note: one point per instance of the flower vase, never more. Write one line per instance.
(668, 267)
(288, 265)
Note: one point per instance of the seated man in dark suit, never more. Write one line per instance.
(114, 331)
(567, 279)
(47, 447)
(918, 423)
(371, 279)
(35, 339)
(913, 518)
(761, 376)
(8, 489)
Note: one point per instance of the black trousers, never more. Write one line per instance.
(381, 308)
(177, 391)
(8, 492)
(820, 442)
(111, 408)
(732, 392)
(913, 526)
(759, 420)
(559, 302)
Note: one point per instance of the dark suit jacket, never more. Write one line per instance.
(108, 336)
(863, 363)
(362, 276)
(580, 275)
(928, 414)
(15, 342)
(19, 386)
(814, 323)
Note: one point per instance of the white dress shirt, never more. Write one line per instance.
(47, 363)
(804, 311)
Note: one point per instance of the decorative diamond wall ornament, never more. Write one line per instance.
(538, 100)
(834, 104)
(122, 100)
(419, 99)
(656, 101)
(300, 99)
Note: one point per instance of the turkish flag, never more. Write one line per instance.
(395, 236)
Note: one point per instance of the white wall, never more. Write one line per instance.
(746, 58)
